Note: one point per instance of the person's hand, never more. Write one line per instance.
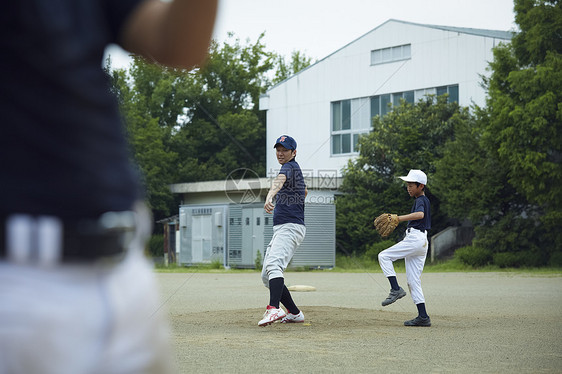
(269, 206)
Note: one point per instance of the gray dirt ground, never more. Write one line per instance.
(482, 323)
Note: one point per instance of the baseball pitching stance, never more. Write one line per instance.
(413, 248)
(288, 190)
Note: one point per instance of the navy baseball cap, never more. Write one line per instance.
(287, 142)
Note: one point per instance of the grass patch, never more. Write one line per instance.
(203, 268)
(364, 264)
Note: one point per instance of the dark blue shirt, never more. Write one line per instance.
(63, 148)
(289, 204)
(421, 204)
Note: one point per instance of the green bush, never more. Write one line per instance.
(555, 259)
(518, 259)
(258, 260)
(216, 263)
(508, 259)
(156, 245)
(374, 249)
(474, 256)
(511, 233)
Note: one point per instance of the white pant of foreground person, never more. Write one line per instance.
(78, 319)
(413, 249)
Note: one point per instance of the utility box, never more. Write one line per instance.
(202, 234)
(247, 227)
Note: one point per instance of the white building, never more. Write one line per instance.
(326, 106)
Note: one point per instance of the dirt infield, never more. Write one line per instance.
(481, 322)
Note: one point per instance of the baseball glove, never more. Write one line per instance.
(386, 223)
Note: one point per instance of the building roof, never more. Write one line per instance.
(228, 185)
(173, 218)
(497, 34)
(231, 185)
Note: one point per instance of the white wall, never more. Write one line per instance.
(300, 106)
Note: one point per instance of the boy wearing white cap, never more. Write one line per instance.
(413, 249)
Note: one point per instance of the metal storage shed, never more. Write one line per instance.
(251, 229)
(225, 221)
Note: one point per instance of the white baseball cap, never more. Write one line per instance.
(415, 176)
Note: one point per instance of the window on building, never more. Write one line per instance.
(385, 107)
(409, 97)
(391, 54)
(380, 103)
(341, 111)
(441, 90)
(353, 118)
(451, 90)
(356, 142)
(453, 93)
(350, 118)
(396, 97)
(375, 106)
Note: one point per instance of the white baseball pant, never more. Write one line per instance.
(86, 319)
(413, 249)
(280, 250)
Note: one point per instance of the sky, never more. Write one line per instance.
(321, 27)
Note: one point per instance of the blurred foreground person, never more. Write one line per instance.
(76, 293)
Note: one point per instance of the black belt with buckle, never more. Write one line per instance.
(81, 241)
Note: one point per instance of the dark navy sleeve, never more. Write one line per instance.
(286, 170)
(418, 206)
(117, 12)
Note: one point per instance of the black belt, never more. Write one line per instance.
(81, 241)
(410, 228)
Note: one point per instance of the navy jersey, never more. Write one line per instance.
(289, 204)
(421, 204)
(63, 148)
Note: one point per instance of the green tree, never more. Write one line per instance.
(284, 70)
(147, 139)
(540, 30)
(187, 126)
(473, 185)
(409, 137)
(223, 129)
(524, 113)
(514, 146)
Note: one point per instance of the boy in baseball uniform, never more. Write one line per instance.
(413, 249)
(288, 190)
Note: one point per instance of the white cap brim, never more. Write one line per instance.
(415, 176)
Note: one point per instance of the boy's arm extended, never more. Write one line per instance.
(387, 222)
(275, 187)
(411, 217)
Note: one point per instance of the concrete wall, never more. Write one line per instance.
(447, 241)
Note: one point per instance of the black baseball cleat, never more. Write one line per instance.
(419, 321)
(393, 296)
